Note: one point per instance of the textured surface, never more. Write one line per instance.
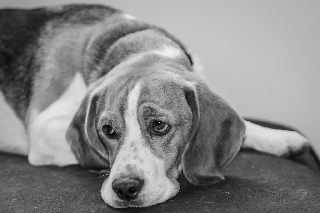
(254, 182)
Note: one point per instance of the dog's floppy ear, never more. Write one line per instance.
(83, 137)
(216, 137)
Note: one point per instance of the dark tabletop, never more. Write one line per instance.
(255, 182)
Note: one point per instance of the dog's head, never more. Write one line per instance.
(150, 119)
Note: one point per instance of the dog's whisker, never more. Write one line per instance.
(101, 173)
(105, 175)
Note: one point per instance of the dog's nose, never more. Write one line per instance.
(127, 188)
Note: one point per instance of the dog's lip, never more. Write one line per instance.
(139, 202)
(126, 204)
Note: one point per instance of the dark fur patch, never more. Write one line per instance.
(20, 30)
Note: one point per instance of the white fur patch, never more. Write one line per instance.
(273, 141)
(135, 154)
(13, 136)
(129, 16)
(169, 51)
(197, 65)
(47, 132)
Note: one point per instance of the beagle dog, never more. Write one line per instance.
(92, 85)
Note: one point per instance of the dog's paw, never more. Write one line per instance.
(286, 143)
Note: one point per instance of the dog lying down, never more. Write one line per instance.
(92, 85)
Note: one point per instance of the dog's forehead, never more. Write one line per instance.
(113, 92)
(163, 92)
(156, 76)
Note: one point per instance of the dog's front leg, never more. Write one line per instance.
(274, 141)
(47, 130)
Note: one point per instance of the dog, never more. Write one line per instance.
(95, 86)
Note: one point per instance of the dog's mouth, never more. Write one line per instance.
(142, 201)
(127, 204)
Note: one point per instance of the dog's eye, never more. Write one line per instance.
(108, 130)
(160, 127)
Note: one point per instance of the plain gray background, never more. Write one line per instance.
(261, 56)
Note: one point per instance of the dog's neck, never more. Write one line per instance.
(123, 40)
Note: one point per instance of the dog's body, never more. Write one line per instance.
(93, 85)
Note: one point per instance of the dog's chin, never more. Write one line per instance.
(126, 204)
(144, 200)
(138, 203)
